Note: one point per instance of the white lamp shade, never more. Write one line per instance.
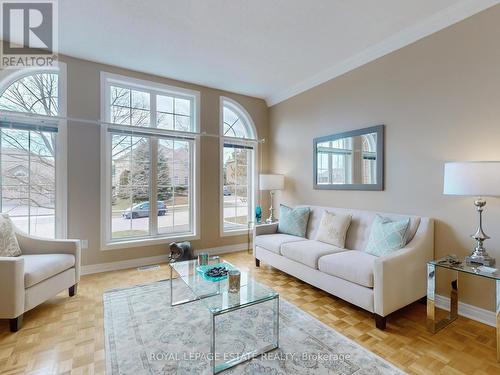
(271, 182)
(476, 178)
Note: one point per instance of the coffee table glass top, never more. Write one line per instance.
(463, 267)
(215, 294)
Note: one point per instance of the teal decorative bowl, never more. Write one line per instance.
(203, 270)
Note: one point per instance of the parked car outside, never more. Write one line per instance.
(226, 191)
(142, 210)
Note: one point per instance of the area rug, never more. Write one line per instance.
(145, 335)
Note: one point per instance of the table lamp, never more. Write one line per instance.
(271, 182)
(479, 179)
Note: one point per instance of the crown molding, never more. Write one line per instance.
(428, 26)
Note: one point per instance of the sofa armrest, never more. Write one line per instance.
(11, 287)
(262, 229)
(36, 245)
(401, 277)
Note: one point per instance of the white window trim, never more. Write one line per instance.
(253, 142)
(7, 77)
(108, 79)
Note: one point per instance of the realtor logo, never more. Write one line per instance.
(29, 33)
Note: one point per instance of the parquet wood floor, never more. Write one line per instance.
(65, 335)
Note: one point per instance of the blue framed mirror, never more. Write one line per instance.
(352, 160)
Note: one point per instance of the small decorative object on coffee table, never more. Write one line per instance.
(453, 264)
(203, 259)
(180, 251)
(478, 179)
(216, 271)
(234, 281)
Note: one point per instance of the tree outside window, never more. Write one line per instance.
(28, 156)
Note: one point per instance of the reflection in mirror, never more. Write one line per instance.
(351, 160)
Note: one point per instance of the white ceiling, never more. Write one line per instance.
(271, 49)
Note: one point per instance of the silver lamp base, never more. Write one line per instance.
(479, 256)
(484, 260)
(271, 218)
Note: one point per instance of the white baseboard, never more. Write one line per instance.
(121, 265)
(469, 311)
(139, 262)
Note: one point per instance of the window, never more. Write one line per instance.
(32, 163)
(335, 161)
(238, 167)
(150, 141)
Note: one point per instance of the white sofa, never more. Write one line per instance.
(45, 268)
(380, 285)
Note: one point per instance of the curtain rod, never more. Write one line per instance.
(8, 115)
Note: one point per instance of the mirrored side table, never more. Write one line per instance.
(432, 267)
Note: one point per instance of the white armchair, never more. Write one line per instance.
(45, 268)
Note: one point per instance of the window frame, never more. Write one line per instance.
(370, 155)
(153, 88)
(7, 78)
(249, 142)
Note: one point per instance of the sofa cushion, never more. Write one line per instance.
(308, 252)
(273, 242)
(39, 267)
(354, 266)
(293, 221)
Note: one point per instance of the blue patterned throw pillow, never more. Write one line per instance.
(387, 236)
(293, 221)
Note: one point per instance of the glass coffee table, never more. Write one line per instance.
(219, 301)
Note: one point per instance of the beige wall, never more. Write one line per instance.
(84, 162)
(440, 101)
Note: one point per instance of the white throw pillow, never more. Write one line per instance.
(333, 228)
(9, 247)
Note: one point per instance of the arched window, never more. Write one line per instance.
(28, 152)
(236, 122)
(237, 167)
(35, 93)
